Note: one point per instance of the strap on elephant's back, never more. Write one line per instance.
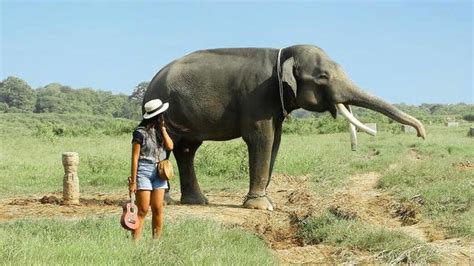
(280, 84)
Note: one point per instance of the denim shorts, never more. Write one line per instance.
(148, 178)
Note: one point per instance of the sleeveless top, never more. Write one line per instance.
(151, 145)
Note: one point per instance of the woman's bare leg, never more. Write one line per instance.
(143, 203)
(157, 210)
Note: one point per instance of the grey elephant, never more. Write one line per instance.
(223, 94)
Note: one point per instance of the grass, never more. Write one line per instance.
(390, 245)
(34, 160)
(30, 164)
(103, 242)
(439, 178)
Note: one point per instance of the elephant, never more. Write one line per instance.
(227, 93)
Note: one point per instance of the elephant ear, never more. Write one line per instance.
(287, 74)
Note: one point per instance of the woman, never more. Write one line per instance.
(149, 142)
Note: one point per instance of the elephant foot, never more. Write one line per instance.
(169, 200)
(194, 199)
(258, 202)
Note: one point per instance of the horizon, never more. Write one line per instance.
(394, 50)
(128, 94)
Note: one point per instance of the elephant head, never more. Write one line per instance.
(320, 84)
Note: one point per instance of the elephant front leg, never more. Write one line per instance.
(260, 155)
(184, 153)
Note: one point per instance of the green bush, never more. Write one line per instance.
(50, 126)
(324, 124)
(469, 117)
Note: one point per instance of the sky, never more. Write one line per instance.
(403, 51)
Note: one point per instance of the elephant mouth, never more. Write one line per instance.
(347, 113)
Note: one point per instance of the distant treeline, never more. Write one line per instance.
(17, 96)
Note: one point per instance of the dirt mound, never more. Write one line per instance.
(51, 206)
(51, 200)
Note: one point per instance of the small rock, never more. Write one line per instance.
(108, 202)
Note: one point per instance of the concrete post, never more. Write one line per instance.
(352, 130)
(71, 179)
(372, 126)
(408, 129)
(451, 124)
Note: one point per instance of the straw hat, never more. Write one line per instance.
(154, 107)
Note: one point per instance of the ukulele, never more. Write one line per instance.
(129, 219)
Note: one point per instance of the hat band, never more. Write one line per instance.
(154, 110)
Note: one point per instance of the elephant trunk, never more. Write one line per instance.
(363, 99)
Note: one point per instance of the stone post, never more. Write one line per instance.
(372, 126)
(408, 129)
(71, 179)
(352, 130)
(452, 124)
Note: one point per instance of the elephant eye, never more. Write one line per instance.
(323, 76)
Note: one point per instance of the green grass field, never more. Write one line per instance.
(436, 169)
(103, 242)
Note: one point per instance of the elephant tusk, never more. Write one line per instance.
(352, 130)
(354, 120)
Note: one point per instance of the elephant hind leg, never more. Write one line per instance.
(184, 152)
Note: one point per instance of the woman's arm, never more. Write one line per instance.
(168, 142)
(135, 155)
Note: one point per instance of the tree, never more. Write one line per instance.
(17, 95)
(49, 99)
(131, 109)
(140, 90)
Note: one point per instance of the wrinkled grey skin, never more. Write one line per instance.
(223, 94)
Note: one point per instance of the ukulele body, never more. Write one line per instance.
(129, 219)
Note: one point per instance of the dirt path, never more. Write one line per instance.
(360, 198)
(293, 202)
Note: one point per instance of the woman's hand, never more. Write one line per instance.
(169, 145)
(162, 124)
(132, 185)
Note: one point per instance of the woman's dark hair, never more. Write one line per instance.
(152, 122)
